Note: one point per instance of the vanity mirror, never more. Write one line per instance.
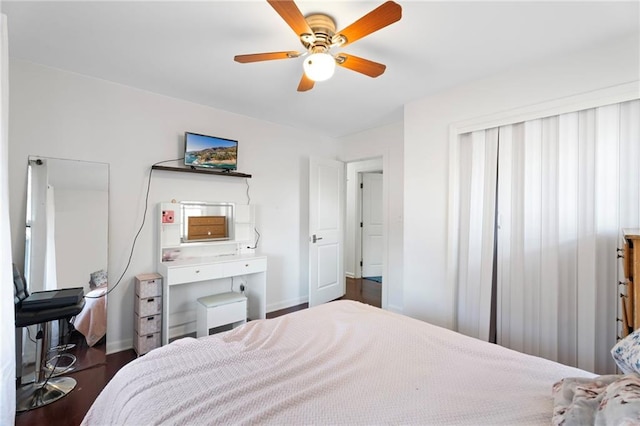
(204, 228)
(66, 246)
(204, 221)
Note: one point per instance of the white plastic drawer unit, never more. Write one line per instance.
(190, 274)
(242, 267)
(149, 285)
(148, 325)
(148, 306)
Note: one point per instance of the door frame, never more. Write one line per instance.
(353, 206)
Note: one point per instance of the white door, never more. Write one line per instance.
(372, 225)
(326, 228)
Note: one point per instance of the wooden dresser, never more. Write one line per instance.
(630, 291)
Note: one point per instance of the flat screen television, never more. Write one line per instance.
(210, 152)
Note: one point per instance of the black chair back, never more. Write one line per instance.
(19, 287)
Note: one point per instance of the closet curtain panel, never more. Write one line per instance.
(478, 154)
(567, 185)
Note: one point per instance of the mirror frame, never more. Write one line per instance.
(80, 175)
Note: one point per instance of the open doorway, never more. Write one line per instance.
(364, 243)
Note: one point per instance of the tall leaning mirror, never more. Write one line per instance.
(67, 246)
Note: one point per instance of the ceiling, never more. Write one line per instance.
(185, 50)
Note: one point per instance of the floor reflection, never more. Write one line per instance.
(85, 356)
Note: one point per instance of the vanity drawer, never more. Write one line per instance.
(148, 325)
(242, 267)
(148, 306)
(190, 274)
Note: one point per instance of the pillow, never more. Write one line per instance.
(626, 353)
(602, 400)
(620, 404)
(98, 279)
(576, 400)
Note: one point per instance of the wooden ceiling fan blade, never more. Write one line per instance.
(305, 83)
(288, 10)
(361, 65)
(268, 56)
(385, 14)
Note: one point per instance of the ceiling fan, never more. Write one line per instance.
(317, 33)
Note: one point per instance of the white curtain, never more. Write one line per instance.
(566, 186)
(478, 166)
(50, 272)
(7, 328)
(50, 269)
(37, 274)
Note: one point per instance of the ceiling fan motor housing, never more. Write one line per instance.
(323, 28)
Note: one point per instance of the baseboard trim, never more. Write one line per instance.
(119, 346)
(287, 304)
(395, 309)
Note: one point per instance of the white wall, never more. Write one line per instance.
(80, 246)
(64, 115)
(385, 142)
(427, 294)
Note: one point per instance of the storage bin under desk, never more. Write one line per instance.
(148, 285)
(146, 342)
(147, 325)
(148, 306)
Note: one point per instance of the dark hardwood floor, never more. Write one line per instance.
(358, 289)
(365, 291)
(70, 410)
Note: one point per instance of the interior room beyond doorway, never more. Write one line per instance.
(364, 242)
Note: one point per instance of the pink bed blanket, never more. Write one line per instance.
(92, 320)
(338, 363)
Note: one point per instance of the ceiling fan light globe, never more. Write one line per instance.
(319, 66)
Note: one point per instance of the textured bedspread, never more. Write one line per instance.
(338, 363)
(92, 320)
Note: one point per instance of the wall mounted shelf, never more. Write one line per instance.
(201, 171)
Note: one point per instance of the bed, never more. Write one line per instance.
(92, 320)
(339, 363)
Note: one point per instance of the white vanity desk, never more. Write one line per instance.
(182, 273)
(193, 268)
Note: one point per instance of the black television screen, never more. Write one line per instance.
(210, 152)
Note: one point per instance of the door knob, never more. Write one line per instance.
(314, 238)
